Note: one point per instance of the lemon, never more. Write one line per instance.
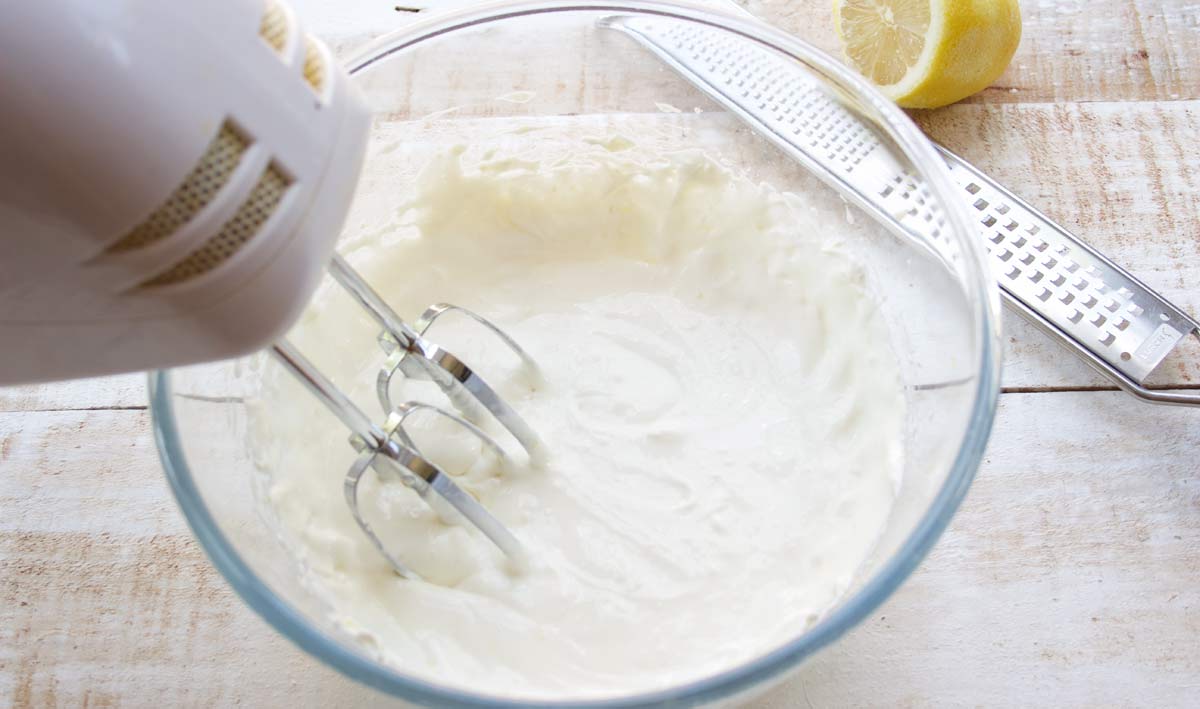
(928, 53)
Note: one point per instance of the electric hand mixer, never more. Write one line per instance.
(175, 177)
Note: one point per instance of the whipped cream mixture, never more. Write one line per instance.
(721, 411)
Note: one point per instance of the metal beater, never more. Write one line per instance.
(388, 448)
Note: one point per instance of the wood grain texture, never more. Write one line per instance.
(105, 597)
(123, 391)
(1068, 578)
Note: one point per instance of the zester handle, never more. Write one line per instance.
(1113, 321)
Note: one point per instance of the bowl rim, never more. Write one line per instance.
(755, 673)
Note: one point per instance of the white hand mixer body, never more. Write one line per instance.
(173, 178)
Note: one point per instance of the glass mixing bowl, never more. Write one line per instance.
(477, 73)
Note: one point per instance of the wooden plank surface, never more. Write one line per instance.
(1067, 579)
(121, 391)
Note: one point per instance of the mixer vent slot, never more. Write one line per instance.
(314, 65)
(234, 234)
(198, 189)
(274, 26)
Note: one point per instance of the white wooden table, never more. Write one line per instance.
(1071, 576)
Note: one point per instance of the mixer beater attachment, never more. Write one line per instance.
(388, 448)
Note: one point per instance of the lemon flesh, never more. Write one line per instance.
(928, 53)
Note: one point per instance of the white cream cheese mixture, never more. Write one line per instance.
(721, 411)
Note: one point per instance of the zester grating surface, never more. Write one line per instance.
(1052, 277)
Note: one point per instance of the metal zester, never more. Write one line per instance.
(1116, 323)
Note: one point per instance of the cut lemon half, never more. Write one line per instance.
(928, 53)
